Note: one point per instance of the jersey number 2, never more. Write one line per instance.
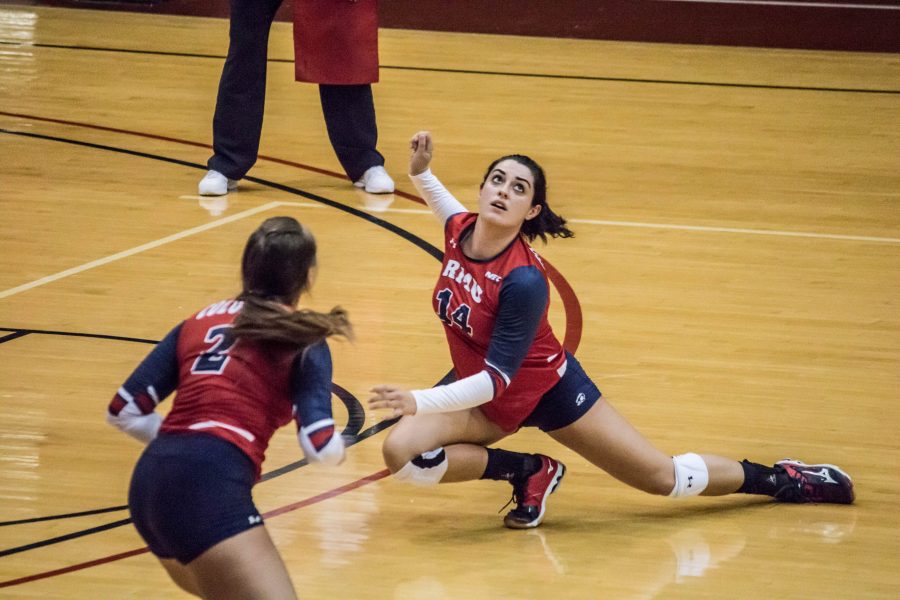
(213, 361)
(459, 317)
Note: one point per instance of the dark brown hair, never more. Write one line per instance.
(546, 222)
(275, 272)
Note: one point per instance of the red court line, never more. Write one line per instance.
(272, 513)
(329, 494)
(572, 339)
(570, 302)
(153, 136)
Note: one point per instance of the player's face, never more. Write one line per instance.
(505, 197)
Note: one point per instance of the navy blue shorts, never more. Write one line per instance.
(565, 402)
(189, 492)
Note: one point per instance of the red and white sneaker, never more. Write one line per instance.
(530, 495)
(813, 483)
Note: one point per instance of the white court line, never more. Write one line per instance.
(271, 205)
(302, 204)
(786, 3)
(821, 236)
(371, 209)
(137, 250)
(701, 228)
(406, 211)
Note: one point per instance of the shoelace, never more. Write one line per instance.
(514, 498)
(791, 490)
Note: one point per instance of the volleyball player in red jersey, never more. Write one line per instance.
(492, 297)
(242, 368)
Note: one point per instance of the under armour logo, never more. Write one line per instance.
(254, 519)
(824, 474)
(690, 480)
(452, 243)
(580, 399)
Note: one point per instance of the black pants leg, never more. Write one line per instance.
(350, 118)
(242, 89)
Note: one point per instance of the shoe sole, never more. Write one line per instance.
(227, 191)
(557, 479)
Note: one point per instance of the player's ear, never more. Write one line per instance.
(533, 212)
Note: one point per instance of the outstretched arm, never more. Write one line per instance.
(132, 408)
(436, 196)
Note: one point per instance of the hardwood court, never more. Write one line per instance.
(735, 270)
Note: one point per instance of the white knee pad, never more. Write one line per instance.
(426, 469)
(691, 475)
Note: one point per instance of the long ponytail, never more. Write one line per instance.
(266, 321)
(275, 270)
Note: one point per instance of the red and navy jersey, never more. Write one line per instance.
(237, 390)
(494, 313)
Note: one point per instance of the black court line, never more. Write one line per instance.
(356, 417)
(759, 86)
(119, 338)
(84, 513)
(64, 538)
(355, 410)
(13, 336)
(355, 420)
(410, 237)
(114, 524)
(350, 434)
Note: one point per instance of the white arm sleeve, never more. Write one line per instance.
(130, 420)
(465, 393)
(436, 196)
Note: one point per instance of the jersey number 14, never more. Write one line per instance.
(459, 316)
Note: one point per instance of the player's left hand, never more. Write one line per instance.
(397, 400)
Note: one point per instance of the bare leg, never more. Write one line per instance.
(609, 441)
(463, 434)
(243, 567)
(181, 575)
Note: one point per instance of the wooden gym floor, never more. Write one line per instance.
(734, 290)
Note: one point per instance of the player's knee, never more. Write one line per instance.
(425, 469)
(396, 452)
(392, 459)
(691, 475)
(660, 482)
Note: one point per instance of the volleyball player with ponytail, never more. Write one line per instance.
(492, 298)
(242, 368)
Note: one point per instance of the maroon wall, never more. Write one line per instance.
(820, 24)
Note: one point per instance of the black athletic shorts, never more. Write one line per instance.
(565, 402)
(189, 492)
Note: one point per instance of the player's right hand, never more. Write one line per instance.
(397, 400)
(422, 148)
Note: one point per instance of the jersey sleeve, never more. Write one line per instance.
(311, 393)
(523, 300)
(132, 408)
(441, 202)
